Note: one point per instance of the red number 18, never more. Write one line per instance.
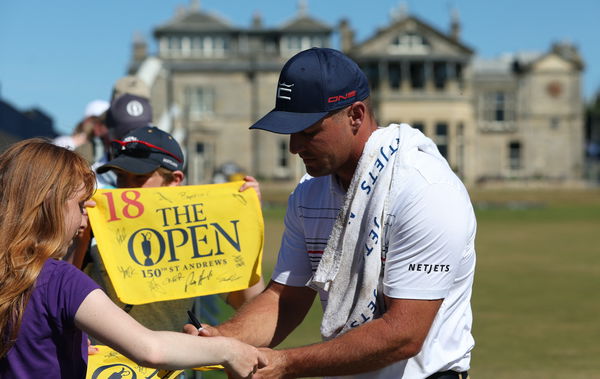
(128, 204)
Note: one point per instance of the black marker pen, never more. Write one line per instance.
(194, 320)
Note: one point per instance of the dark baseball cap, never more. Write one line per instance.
(128, 112)
(144, 150)
(313, 83)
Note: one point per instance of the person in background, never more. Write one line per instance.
(131, 85)
(380, 227)
(119, 117)
(47, 305)
(81, 140)
(126, 113)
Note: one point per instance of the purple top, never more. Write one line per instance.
(48, 343)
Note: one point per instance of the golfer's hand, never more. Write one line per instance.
(243, 360)
(206, 331)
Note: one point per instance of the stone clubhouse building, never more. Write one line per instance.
(514, 120)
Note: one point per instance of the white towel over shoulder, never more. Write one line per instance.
(350, 267)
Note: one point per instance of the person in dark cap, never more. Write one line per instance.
(144, 158)
(126, 113)
(380, 227)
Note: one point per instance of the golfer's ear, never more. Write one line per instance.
(357, 113)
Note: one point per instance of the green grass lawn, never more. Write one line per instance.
(536, 300)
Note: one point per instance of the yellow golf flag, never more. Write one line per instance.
(177, 242)
(109, 364)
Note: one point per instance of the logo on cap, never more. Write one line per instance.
(284, 88)
(170, 162)
(335, 99)
(134, 108)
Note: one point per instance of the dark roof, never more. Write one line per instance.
(305, 23)
(195, 21)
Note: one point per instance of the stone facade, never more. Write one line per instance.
(514, 119)
(529, 118)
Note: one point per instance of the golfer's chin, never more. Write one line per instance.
(316, 171)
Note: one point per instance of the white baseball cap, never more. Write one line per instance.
(96, 108)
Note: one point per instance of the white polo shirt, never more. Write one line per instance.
(430, 255)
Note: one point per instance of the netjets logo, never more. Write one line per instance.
(284, 91)
(134, 108)
(428, 268)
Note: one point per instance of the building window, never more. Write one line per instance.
(371, 70)
(163, 46)
(200, 168)
(271, 44)
(441, 138)
(419, 126)
(440, 75)
(283, 154)
(554, 123)
(209, 46)
(297, 43)
(417, 75)
(200, 101)
(458, 72)
(293, 43)
(514, 155)
(498, 106)
(394, 74)
(174, 45)
(409, 43)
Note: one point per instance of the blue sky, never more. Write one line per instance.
(58, 55)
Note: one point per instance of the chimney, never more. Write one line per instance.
(257, 20)
(347, 35)
(302, 8)
(569, 52)
(180, 11)
(399, 13)
(195, 5)
(140, 47)
(455, 25)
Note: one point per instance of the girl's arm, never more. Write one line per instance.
(101, 318)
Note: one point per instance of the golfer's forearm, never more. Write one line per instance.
(255, 323)
(271, 316)
(367, 348)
